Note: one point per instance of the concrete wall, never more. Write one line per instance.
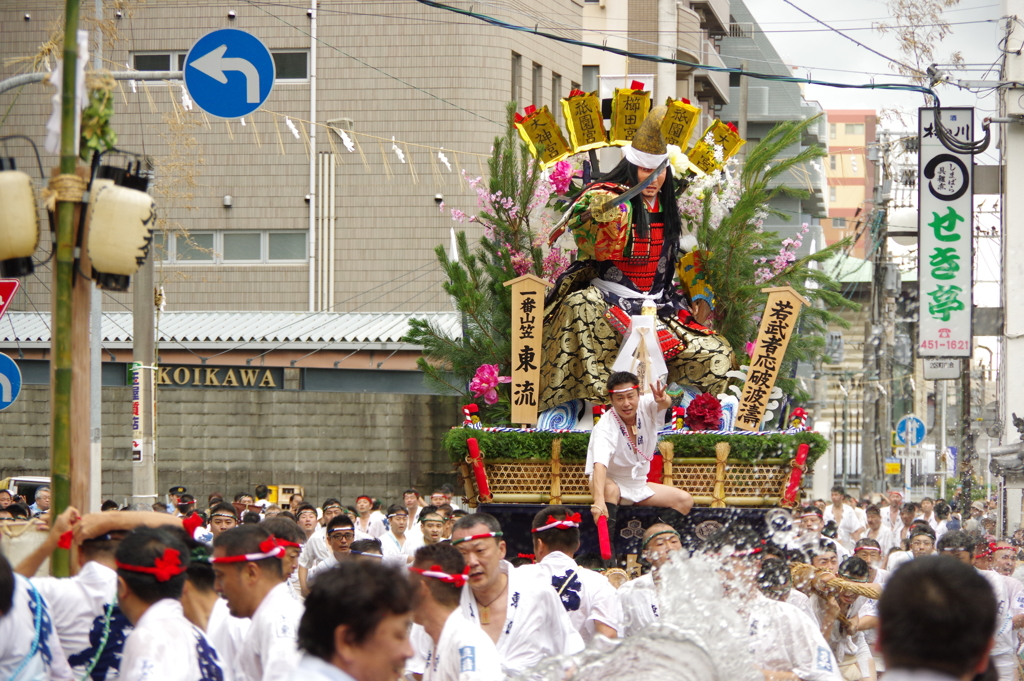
(333, 444)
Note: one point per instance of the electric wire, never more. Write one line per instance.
(680, 62)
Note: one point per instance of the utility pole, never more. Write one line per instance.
(143, 363)
(1012, 206)
(878, 338)
(744, 107)
(942, 437)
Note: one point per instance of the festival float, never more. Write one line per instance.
(717, 307)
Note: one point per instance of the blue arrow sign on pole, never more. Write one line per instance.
(229, 73)
(10, 381)
(910, 431)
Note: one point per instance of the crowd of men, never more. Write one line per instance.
(248, 590)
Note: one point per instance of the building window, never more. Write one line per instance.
(241, 246)
(286, 245)
(556, 95)
(831, 131)
(517, 79)
(537, 86)
(839, 223)
(854, 128)
(194, 247)
(832, 161)
(591, 78)
(231, 247)
(832, 194)
(289, 65)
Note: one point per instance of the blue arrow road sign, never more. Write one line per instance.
(10, 381)
(229, 73)
(910, 431)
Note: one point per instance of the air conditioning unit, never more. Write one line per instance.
(280, 494)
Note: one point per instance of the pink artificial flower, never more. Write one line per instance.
(485, 383)
(561, 176)
(749, 348)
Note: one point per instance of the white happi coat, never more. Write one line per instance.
(609, 446)
(227, 634)
(18, 638)
(785, 639)
(536, 625)
(165, 646)
(79, 608)
(587, 596)
(464, 652)
(315, 549)
(639, 600)
(394, 553)
(269, 652)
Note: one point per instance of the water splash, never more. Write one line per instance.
(700, 635)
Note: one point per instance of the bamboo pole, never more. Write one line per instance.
(721, 456)
(60, 435)
(667, 453)
(556, 472)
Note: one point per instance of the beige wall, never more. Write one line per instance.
(388, 222)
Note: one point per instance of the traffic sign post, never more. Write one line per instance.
(910, 431)
(229, 73)
(10, 381)
(8, 287)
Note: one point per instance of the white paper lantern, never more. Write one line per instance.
(19, 224)
(121, 222)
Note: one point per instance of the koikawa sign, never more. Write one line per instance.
(194, 376)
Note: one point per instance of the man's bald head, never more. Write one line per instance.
(660, 539)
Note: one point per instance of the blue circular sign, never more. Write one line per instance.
(910, 431)
(229, 73)
(10, 381)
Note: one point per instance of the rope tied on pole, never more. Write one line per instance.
(63, 187)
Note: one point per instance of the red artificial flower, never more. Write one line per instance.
(704, 413)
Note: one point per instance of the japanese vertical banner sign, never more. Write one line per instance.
(946, 225)
(527, 330)
(542, 135)
(724, 135)
(582, 112)
(777, 326)
(630, 107)
(136, 420)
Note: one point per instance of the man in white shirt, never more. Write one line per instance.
(891, 518)
(368, 526)
(783, 640)
(432, 525)
(247, 563)
(413, 504)
(848, 525)
(207, 610)
(936, 621)
(458, 649)
(316, 549)
(877, 531)
(639, 597)
(394, 540)
(24, 655)
(588, 597)
(1009, 610)
(85, 605)
(812, 523)
(164, 645)
(522, 615)
(622, 446)
(356, 625)
(341, 534)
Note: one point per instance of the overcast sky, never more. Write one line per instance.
(810, 47)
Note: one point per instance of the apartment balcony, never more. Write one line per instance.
(689, 35)
(711, 85)
(714, 15)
